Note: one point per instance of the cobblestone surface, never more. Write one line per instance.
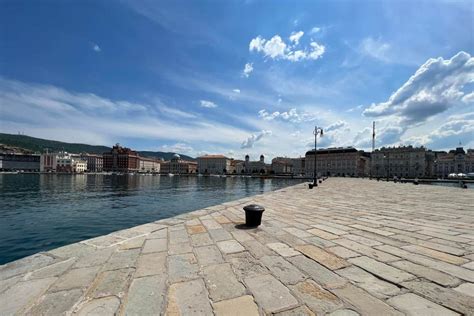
(347, 247)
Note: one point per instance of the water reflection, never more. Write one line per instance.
(40, 212)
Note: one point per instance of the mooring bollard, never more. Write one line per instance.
(310, 185)
(253, 215)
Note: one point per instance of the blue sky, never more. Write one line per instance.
(238, 77)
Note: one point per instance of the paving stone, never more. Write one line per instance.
(102, 306)
(104, 241)
(298, 311)
(362, 240)
(221, 219)
(5, 284)
(412, 304)
(76, 278)
(222, 283)
(368, 282)
(323, 234)
(270, 294)
(317, 272)
(155, 245)
(178, 249)
(435, 254)
(283, 249)
(344, 312)
(318, 241)
(111, 283)
(244, 265)
(469, 265)
(282, 269)
(208, 255)
(373, 230)
(230, 246)
(132, 243)
(196, 229)
(242, 236)
(363, 302)
(96, 258)
(182, 267)
(327, 259)
(466, 288)
(178, 236)
(382, 270)
(451, 269)
(188, 298)
(440, 247)
(330, 229)
(146, 296)
(122, 259)
(316, 298)
(25, 265)
(427, 273)
(211, 224)
(343, 252)
(219, 234)
(53, 270)
(57, 303)
(366, 250)
(201, 240)
(257, 249)
(76, 250)
(444, 296)
(239, 306)
(159, 234)
(297, 232)
(151, 264)
(22, 294)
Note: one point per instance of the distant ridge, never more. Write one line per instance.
(39, 145)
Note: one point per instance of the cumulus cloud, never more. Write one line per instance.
(208, 104)
(291, 115)
(295, 37)
(437, 85)
(96, 48)
(252, 139)
(248, 68)
(236, 90)
(386, 135)
(335, 126)
(275, 48)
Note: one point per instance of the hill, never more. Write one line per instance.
(39, 145)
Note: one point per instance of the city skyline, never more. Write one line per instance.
(224, 78)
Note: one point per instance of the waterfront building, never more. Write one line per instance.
(455, 161)
(95, 163)
(402, 161)
(68, 163)
(19, 162)
(282, 165)
(341, 161)
(48, 162)
(258, 166)
(214, 164)
(150, 165)
(298, 166)
(121, 159)
(179, 166)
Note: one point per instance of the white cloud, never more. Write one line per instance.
(96, 48)
(291, 115)
(208, 104)
(295, 37)
(248, 68)
(437, 85)
(375, 48)
(335, 126)
(236, 90)
(177, 148)
(276, 48)
(252, 139)
(315, 30)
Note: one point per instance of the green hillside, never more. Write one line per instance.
(40, 145)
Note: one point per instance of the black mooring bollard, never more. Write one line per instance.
(310, 185)
(253, 215)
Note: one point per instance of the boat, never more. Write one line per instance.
(170, 175)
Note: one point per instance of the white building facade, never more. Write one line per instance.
(214, 164)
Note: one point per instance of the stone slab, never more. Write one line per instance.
(222, 283)
(325, 258)
(239, 306)
(412, 304)
(146, 296)
(188, 298)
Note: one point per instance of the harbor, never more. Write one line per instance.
(347, 247)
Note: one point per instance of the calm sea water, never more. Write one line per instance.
(41, 212)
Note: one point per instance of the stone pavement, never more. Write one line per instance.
(349, 247)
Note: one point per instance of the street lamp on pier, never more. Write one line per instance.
(317, 130)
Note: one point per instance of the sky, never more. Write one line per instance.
(238, 77)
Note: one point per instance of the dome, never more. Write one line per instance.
(176, 156)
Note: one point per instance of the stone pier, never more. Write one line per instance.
(348, 247)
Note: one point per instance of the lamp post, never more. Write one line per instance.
(317, 130)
